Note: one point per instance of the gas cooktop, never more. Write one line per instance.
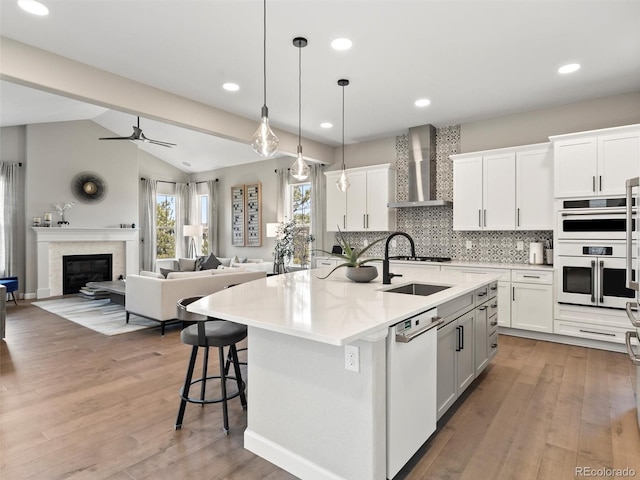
(421, 259)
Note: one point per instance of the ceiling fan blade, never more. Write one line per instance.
(164, 144)
(116, 138)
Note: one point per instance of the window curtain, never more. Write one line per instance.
(282, 182)
(148, 194)
(212, 216)
(8, 218)
(318, 206)
(182, 214)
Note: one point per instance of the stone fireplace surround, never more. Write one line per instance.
(52, 243)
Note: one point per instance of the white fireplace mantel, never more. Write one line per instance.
(45, 236)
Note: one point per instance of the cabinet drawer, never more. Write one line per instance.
(493, 345)
(493, 289)
(532, 276)
(492, 324)
(593, 332)
(505, 275)
(481, 295)
(493, 307)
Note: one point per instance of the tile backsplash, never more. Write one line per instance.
(432, 227)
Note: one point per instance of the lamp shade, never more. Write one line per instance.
(192, 230)
(272, 229)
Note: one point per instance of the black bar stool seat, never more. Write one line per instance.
(204, 334)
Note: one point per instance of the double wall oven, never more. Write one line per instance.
(592, 252)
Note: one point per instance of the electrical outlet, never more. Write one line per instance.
(469, 245)
(352, 358)
(393, 243)
(520, 246)
(365, 242)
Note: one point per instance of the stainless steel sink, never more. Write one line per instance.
(423, 289)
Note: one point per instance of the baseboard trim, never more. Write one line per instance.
(29, 296)
(285, 459)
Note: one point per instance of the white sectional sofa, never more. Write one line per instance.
(152, 296)
(186, 264)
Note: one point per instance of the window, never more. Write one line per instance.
(300, 200)
(203, 215)
(165, 226)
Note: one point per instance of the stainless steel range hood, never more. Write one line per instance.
(422, 170)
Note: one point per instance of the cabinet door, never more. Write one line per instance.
(380, 189)
(357, 201)
(575, 167)
(447, 357)
(466, 354)
(499, 192)
(504, 304)
(336, 204)
(534, 190)
(467, 193)
(481, 337)
(532, 307)
(618, 160)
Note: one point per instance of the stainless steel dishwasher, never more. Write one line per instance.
(411, 387)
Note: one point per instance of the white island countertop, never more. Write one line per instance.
(335, 310)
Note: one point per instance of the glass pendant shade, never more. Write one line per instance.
(300, 170)
(265, 142)
(343, 182)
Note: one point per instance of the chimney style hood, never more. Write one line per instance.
(422, 170)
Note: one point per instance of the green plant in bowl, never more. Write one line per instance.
(352, 256)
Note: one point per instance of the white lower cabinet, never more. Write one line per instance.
(532, 301)
(504, 304)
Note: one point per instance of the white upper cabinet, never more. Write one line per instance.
(363, 207)
(596, 162)
(505, 189)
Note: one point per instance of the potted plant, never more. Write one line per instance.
(357, 271)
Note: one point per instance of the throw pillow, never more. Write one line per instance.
(166, 271)
(209, 263)
(186, 264)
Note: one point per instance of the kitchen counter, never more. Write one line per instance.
(335, 310)
(307, 413)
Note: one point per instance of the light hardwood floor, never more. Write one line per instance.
(77, 404)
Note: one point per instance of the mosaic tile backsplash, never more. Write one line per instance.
(432, 227)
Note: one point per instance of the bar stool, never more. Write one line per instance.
(210, 332)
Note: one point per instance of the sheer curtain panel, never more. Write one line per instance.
(8, 218)
(212, 215)
(148, 194)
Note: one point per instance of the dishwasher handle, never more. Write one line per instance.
(402, 338)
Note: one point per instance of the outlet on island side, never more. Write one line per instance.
(352, 358)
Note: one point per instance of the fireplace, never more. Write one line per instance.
(77, 270)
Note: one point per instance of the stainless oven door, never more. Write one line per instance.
(594, 281)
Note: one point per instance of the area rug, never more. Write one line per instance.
(101, 316)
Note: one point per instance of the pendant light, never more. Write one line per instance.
(343, 182)
(300, 170)
(264, 141)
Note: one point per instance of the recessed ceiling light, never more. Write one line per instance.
(231, 87)
(341, 44)
(326, 125)
(31, 6)
(423, 102)
(569, 68)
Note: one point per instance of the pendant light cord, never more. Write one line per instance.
(299, 96)
(343, 127)
(264, 51)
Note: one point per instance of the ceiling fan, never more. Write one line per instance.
(138, 135)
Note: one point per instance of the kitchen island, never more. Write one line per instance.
(307, 413)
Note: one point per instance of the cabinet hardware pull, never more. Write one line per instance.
(485, 217)
(600, 181)
(484, 307)
(530, 276)
(458, 345)
(364, 220)
(635, 359)
(593, 183)
(593, 281)
(518, 222)
(482, 294)
(495, 305)
(598, 333)
(461, 337)
(480, 218)
(344, 221)
(494, 345)
(493, 324)
(367, 220)
(513, 293)
(493, 288)
(601, 282)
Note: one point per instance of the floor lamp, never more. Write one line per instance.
(192, 231)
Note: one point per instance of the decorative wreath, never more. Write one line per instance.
(89, 187)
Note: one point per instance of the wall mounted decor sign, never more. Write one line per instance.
(246, 215)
